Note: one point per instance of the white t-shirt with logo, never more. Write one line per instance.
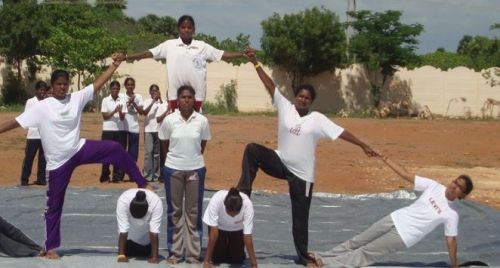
(216, 215)
(132, 116)
(59, 124)
(150, 124)
(298, 136)
(108, 105)
(138, 229)
(32, 131)
(186, 64)
(431, 209)
(185, 136)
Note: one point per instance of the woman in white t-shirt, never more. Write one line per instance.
(186, 61)
(299, 130)
(58, 119)
(151, 170)
(229, 217)
(134, 109)
(113, 111)
(184, 135)
(405, 227)
(138, 213)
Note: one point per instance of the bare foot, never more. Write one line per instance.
(172, 260)
(51, 254)
(42, 253)
(317, 261)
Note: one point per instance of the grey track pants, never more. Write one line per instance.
(367, 247)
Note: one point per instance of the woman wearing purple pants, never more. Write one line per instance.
(58, 120)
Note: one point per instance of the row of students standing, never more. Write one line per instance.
(120, 114)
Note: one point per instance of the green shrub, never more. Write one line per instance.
(225, 100)
(13, 91)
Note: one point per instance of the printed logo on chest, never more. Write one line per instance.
(295, 130)
(434, 205)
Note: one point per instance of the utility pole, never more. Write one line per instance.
(349, 32)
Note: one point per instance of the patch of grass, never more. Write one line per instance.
(11, 108)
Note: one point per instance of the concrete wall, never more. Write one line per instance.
(456, 92)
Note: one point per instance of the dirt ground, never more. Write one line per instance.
(439, 149)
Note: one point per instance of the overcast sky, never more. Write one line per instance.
(445, 21)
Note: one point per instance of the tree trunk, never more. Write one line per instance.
(79, 77)
(19, 62)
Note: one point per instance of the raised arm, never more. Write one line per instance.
(266, 80)
(106, 75)
(401, 171)
(451, 241)
(349, 137)
(9, 125)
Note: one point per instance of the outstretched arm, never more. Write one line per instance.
(229, 55)
(401, 171)
(266, 80)
(9, 125)
(451, 241)
(136, 56)
(347, 136)
(106, 75)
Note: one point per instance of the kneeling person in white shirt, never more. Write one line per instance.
(229, 217)
(139, 214)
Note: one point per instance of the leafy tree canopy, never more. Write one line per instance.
(305, 43)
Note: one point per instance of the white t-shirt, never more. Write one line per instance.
(59, 124)
(216, 216)
(185, 136)
(298, 136)
(186, 64)
(138, 229)
(32, 131)
(132, 117)
(431, 209)
(113, 123)
(150, 124)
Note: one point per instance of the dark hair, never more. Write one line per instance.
(306, 87)
(139, 205)
(114, 83)
(41, 85)
(468, 183)
(129, 79)
(185, 87)
(184, 18)
(152, 86)
(233, 201)
(58, 73)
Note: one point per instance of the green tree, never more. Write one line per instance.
(444, 60)
(77, 40)
(305, 43)
(166, 26)
(484, 52)
(20, 31)
(382, 43)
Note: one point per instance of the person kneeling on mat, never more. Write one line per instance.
(229, 216)
(139, 214)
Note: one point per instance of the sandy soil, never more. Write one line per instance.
(439, 149)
